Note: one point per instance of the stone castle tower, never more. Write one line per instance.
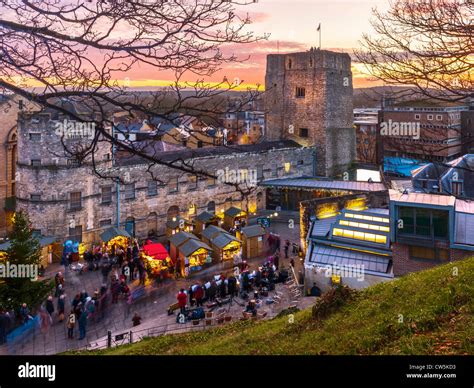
(309, 99)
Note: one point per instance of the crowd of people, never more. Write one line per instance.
(244, 283)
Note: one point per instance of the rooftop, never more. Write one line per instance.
(422, 198)
(210, 152)
(315, 183)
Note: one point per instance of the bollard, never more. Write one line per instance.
(109, 339)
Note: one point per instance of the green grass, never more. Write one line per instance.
(428, 312)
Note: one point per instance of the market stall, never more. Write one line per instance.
(234, 218)
(157, 259)
(114, 237)
(252, 241)
(178, 239)
(178, 224)
(204, 220)
(223, 244)
(46, 243)
(194, 256)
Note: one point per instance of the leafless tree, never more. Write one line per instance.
(427, 45)
(81, 51)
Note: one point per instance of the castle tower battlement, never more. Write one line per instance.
(309, 99)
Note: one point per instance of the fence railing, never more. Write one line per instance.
(131, 336)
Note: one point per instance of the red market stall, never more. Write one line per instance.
(157, 258)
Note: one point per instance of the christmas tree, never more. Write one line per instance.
(19, 270)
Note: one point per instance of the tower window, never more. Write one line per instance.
(303, 132)
(300, 92)
(290, 63)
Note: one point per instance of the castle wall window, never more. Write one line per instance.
(300, 92)
(130, 191)
(173, 185)
(211, 182)
(35, 197)
(152, 188)
(75, 200)
(103, 223)
(192, 183)
(290, 63)
(36, 162)
(34, 136)
(106, 194)
(303, 132)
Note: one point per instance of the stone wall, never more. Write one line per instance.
(9, 109)
(54, 181)
(325, 111)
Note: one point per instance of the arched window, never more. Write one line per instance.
(172, 212)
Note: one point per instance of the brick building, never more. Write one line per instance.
(429, 229)
(309, 99)
(440, 135)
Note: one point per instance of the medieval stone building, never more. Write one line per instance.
(309, 100)
(67, 200)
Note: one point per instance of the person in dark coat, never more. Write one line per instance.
(223, 288)
(50, 305)
(276, 261)
(61, 306)
(287, 248)
(82, 325)
(315, 291)
(212, 291)
(232, 286)
(246, 282)
(136, 320)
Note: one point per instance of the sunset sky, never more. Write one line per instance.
(293, 24)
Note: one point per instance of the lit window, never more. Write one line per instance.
(287, 167)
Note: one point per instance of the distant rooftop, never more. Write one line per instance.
(210, 152)
(315, 183)
(422, 198)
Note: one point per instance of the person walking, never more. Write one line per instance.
(50, 306)
(61, 306)
(181, 297)
(24, 313)
(82, 324)
(71, 322)
(276, 260)
(136, 320)
(198, 295)
(287, 248)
